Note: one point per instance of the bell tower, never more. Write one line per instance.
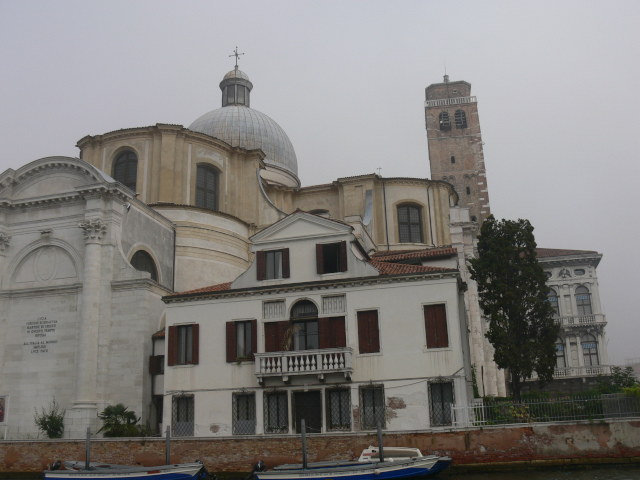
(455, 144)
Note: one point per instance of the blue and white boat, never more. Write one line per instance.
(398, 463)
(106, 471)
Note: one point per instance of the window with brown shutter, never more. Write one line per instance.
(272, 264)
(368, 333)
(331, 257)
(332, 332)
(274, 335)
(183, 345)
(435, 323)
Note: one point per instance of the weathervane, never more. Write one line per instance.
(237, 55)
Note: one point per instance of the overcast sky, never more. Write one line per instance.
(556, 82)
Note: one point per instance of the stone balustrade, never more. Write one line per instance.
(306, 362)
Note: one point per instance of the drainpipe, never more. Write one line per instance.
(386, 224)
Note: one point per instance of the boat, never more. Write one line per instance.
(76, 470)
(396, 463)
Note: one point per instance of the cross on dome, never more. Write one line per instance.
(237, 55)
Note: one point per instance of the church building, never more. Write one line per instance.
(90, 247)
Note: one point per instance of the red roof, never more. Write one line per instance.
(399, 268)
(560, 252)
(159, 334)
(212, 288)
(391, 256)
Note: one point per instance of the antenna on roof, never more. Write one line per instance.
(237, 55)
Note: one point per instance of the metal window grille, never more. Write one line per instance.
(445, 121)
(276, 413)
(339, 409)
(244, 414)
(461, 119)
(372, 408)
(206, 187)
(182, 416)
(441, 399)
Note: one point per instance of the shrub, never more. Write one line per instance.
(51, 421)
(119, 421)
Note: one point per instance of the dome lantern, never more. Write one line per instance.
(236, 88)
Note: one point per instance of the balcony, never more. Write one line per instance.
(579, 320)
(306, 362)
(584, 371)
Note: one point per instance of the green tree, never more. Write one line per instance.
(119, 421)
(619, 380)
(513, 297)
(51, 421)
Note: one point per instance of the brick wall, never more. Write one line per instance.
(566, 443)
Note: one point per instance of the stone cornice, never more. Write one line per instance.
(40, 291)
(40, 201)
(141, 284)
(308, 286)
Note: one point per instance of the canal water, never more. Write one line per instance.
(599, 473)
(613, 472)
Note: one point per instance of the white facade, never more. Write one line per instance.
(404, 383)
(74, 313)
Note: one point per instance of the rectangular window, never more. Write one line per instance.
(441, 399)
(182, 416)
(339, 409)
(372, 410)
(331, 257)
(368, 333)
(183, 345)
(156, 364)
(305, 335)
(244, 414)
(435, 323)
(272, 264)
(276, 413)
(410, 224)
(242, 341)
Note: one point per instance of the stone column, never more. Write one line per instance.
(567, 353)
(602, 349)
(84, 411)
(580, 357)
(502, 387)
(490, 370)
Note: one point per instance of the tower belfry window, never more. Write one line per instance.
(445, 121)
(453, 159)
(461, 119)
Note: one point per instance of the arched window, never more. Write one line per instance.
(142, 261)
(410, 224)
(445, 121)
(473, 218)
(583, 301)
(207, 187)
(304, 325)
(125, 169)
(552, 296)
(590, 350)
(561, 360)
(461, 119)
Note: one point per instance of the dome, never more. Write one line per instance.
(248, 128)
(237, 74)
(240, 126)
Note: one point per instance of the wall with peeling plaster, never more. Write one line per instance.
(598, 442)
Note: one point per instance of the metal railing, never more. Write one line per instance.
(577, 320)
(449, 101)
(306, 362)
(540, 411)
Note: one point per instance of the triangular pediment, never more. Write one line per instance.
(300, 225)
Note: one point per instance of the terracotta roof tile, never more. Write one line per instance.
(560, 252)
(212, 288)
(392, 256)
(399, 268)
(159, 334)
